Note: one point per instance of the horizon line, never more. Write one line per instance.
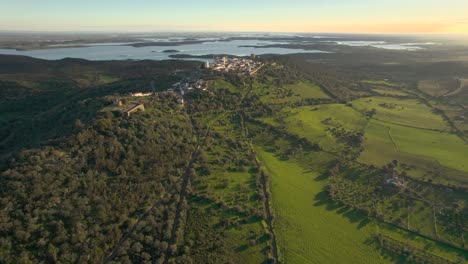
(227, 32)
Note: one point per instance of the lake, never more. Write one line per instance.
(117, 51)
(386, 45)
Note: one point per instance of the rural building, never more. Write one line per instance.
(391, 179)
(134, 109)
(141, 94)
(117, 102)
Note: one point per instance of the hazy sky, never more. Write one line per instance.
(376, 16)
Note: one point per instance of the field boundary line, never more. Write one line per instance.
(389, 136)
(408, 126)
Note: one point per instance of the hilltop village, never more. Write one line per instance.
(248, 66)
(126, 106)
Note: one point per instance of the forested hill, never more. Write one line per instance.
(73, 202)
(41, 100)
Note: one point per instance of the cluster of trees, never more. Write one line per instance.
(222, 100)
(350, 138)
(283, 142)
(313, 101)
(281, 75)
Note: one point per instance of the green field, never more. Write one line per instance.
(233, 188)
(291, 93)
(428, 153)
(306, 89)
(309, 227)
(222, 84)
(381, 82)
(239, 242)
(107, 79)
(307, 122)
(402, 112)
(390, 92)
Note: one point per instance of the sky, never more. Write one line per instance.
(347, 16)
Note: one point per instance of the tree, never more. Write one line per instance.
(137, 247)
(52, 252)
(145, 256)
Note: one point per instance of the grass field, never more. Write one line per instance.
(307, 122)
(430, 154)
(402, 112)
(107, 79)
(222, 84)
(233, 188)
(291, 93)
(381, 82)
(309, 227)
(306, 89)
(386, 91)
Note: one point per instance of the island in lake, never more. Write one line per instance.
(171, 51)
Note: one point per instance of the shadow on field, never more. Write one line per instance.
(241, 248)
(321, 199)
(322, 177)
(326, 172)
(427, 244)
(353, 215)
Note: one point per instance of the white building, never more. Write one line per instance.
(140, 94)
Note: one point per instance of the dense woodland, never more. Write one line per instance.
(75, 200)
